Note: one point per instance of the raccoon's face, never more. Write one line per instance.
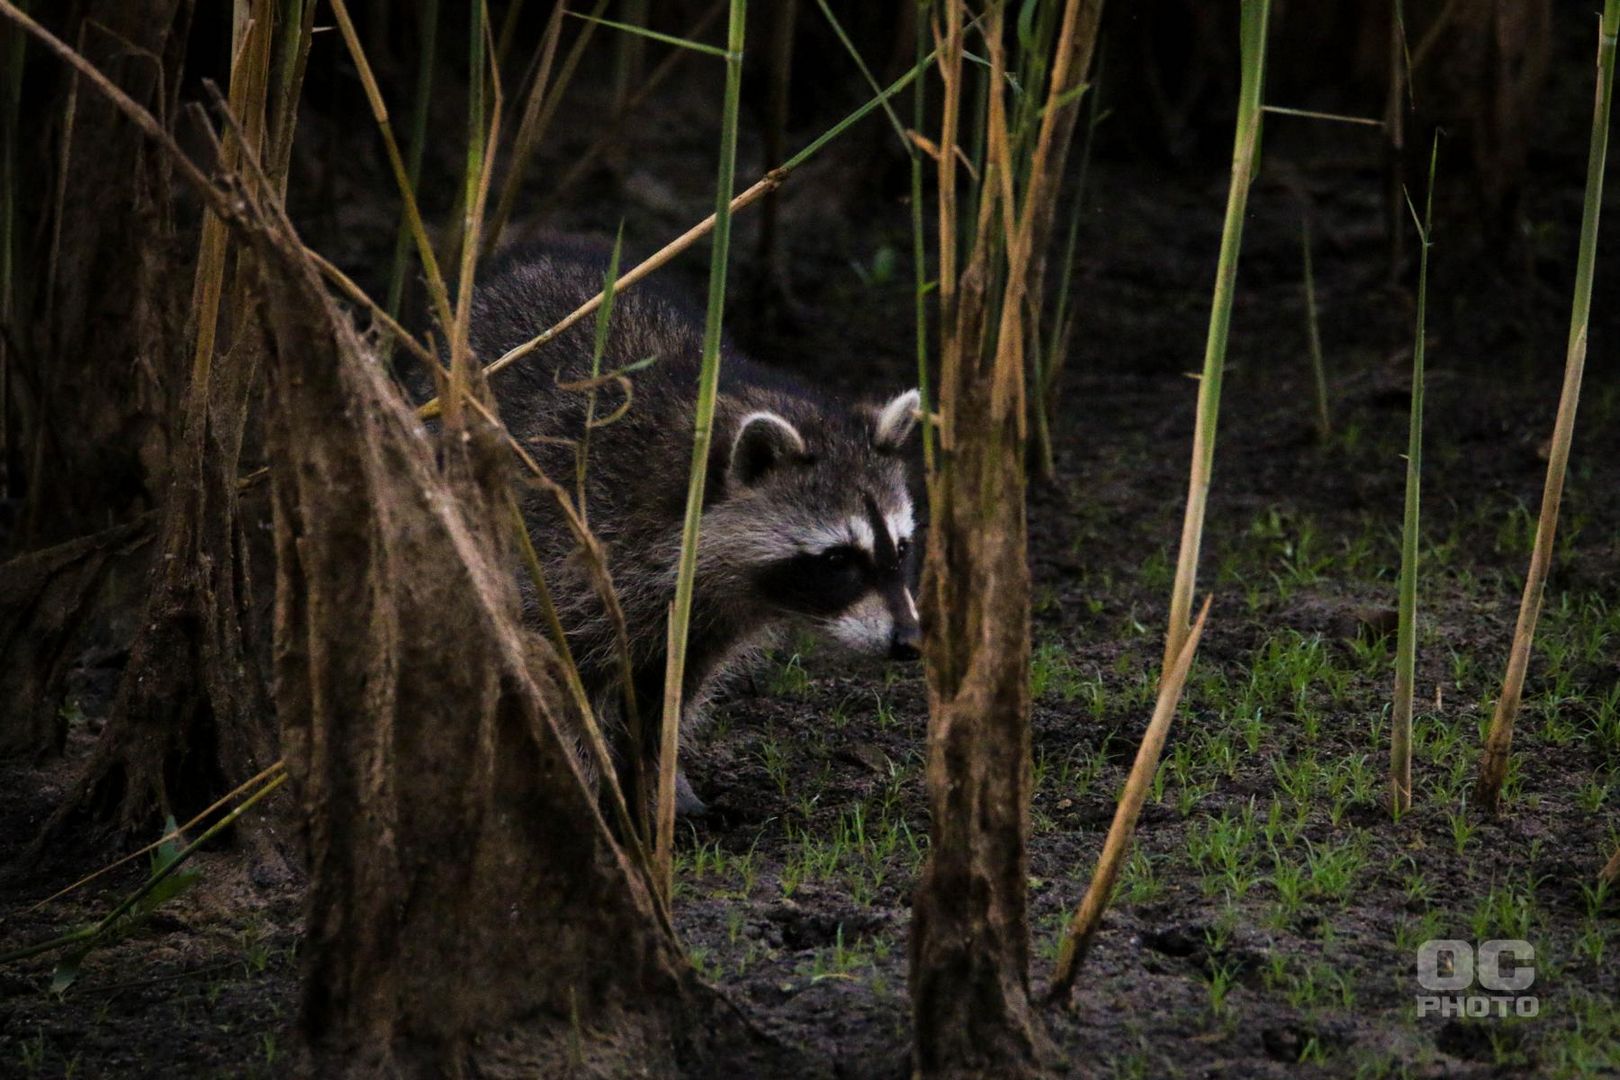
(824, 523)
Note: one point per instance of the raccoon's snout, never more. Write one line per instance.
(905, 643)
(905, 635)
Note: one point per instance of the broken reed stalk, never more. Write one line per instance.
(1088, 916)
(703, 429)
(1611, 870)
(1493, 761)
(427, 39)
(1313, 331)
(1400, 735)
(1245, 154)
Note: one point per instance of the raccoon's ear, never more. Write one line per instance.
(764, 441)
(895, 420)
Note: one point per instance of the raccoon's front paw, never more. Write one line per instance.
(687, 803)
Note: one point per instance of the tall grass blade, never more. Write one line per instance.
(708, 390)
(1493, 761)
(655, 35)
(1245, 156)
(866, 73)
(1400, 739)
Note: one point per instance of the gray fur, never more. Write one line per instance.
(808, 475)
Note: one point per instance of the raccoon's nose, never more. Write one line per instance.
(904, 643)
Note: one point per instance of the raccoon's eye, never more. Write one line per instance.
(903, 548)
(835, 558)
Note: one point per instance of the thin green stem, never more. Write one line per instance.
(703, 431)
(1245, 156)
(1400, 742)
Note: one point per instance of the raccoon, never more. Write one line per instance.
(808, 519)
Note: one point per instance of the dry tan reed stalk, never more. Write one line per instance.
(1493, 761)
(1088, 916)
(653, 262)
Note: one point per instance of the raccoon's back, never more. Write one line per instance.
(634, 462)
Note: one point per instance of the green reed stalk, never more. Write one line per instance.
(680, 615)
(1400, 738)
(1493, 760)
(1245, 155)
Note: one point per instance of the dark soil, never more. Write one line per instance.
(1269, 920)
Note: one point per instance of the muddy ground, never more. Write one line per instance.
(1269, 920)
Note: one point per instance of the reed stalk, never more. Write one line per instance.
(1245, 157)
(438, 292)
(1400, 738)
(1493, 761)
(702, 435)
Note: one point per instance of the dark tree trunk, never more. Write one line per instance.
(92, 385)
(192, 716)
(469, 908)
(98, 392)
